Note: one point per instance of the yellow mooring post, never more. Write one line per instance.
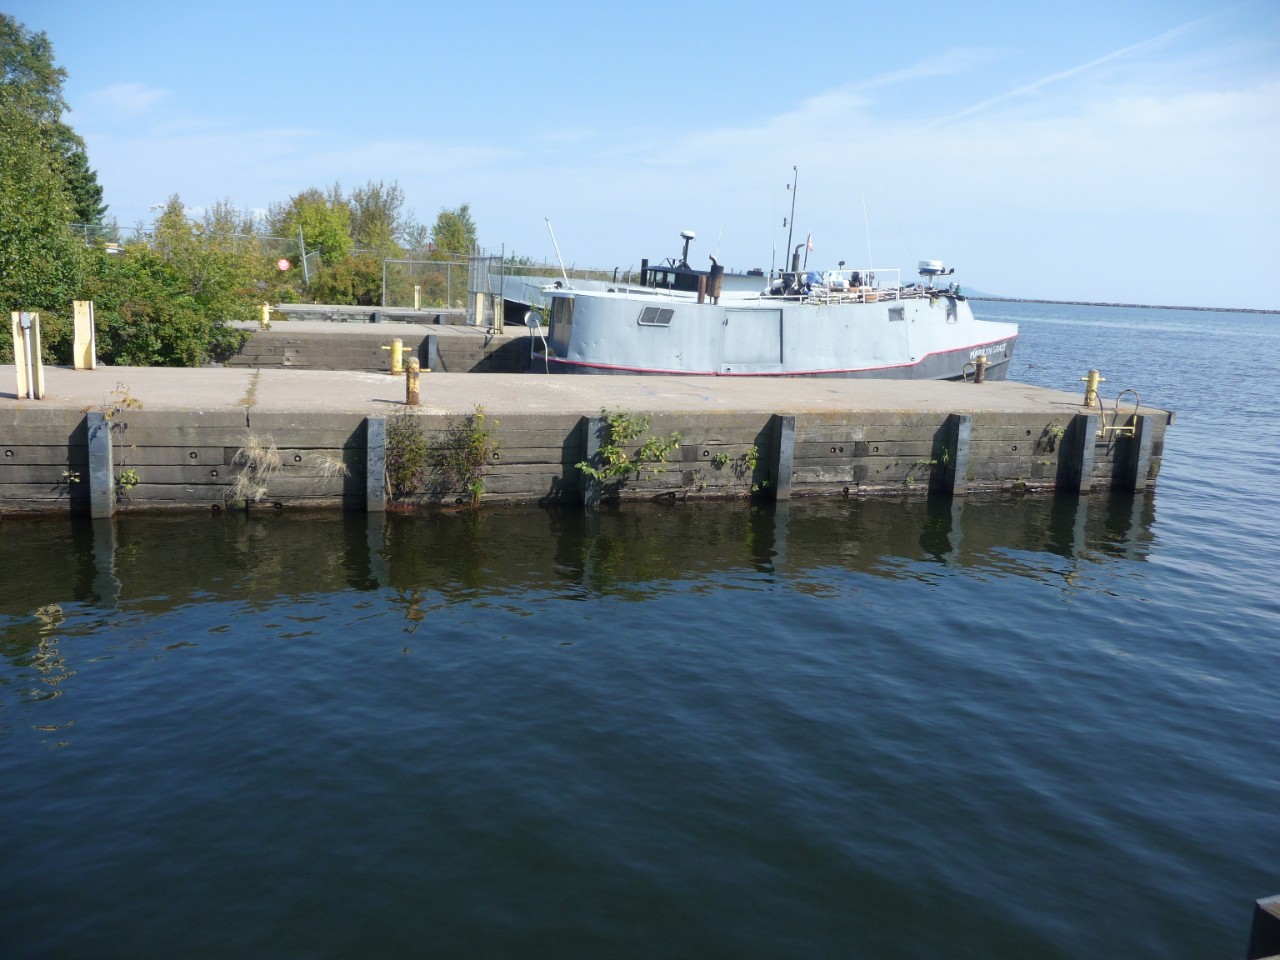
(1091, 387)
(264, 321)
(417, 297)
(26, 355)
(397, 356)
(84, 350)
(980, 368)
(411, 383)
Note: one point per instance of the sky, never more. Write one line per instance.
(1124, 152)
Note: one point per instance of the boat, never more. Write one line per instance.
(679, 320)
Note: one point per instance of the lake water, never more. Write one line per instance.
(1000, 728)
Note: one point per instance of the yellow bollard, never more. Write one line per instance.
(417, 297)
(264, 321)
(980, 368)
(411, 384)
(397, 356)
(1091, 387)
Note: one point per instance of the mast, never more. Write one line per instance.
(792, 222)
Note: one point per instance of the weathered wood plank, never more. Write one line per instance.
(64, 454)
(33, 435)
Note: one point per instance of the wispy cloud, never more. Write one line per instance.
(944, 64)
(1027, 89)
(126, 99)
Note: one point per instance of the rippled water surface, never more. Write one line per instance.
(1000, 728)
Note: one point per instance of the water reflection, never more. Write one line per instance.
(80, 578)
(156, 563)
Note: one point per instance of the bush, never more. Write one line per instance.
(145, 317)
(356, 281)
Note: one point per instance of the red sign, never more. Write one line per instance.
(282, 264)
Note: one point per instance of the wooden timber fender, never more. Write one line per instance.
(249, 454)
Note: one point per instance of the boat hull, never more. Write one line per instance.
(627, 333)
(953, 365)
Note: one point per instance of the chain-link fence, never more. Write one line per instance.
(522, 280)
(420, 284)
(481, 282)
(115, 238)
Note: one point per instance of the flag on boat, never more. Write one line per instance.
(809, 242)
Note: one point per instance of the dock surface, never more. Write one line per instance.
(271, 390)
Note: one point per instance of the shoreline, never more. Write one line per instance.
(1139, 306)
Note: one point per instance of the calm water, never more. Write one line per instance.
(1008, 728)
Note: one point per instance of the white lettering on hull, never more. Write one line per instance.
(987, 351)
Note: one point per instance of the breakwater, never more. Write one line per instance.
(106, 441)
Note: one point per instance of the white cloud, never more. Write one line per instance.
(125, 99)
(1129, 171)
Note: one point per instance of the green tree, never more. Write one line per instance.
(454, 233)
(170, 302)
(145, 314)
(41, 260)
(29, 81)
(356, 281)
(82, 185)
(211, 260)
(31, 84)
(378, 219)
(324, 220)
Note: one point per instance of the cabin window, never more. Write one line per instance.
(897, 313)
(656, 317)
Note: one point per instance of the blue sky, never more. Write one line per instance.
(1126, 152)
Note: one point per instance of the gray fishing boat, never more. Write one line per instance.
(803, 323)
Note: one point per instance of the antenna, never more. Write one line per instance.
(563, 273)
(907, 243)
(795, 179)
(867, 224)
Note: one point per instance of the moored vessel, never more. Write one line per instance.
(679, 320)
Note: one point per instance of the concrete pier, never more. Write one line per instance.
(179, 440)
(360, 345)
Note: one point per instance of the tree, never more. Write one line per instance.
(454, 233)
(169, 303)
(82, 185)
(29, 81)
(31, 85)
(144, 315)
(40, 258)
(357, 280)
(378, 223)
(324, 220)
(210, 260)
